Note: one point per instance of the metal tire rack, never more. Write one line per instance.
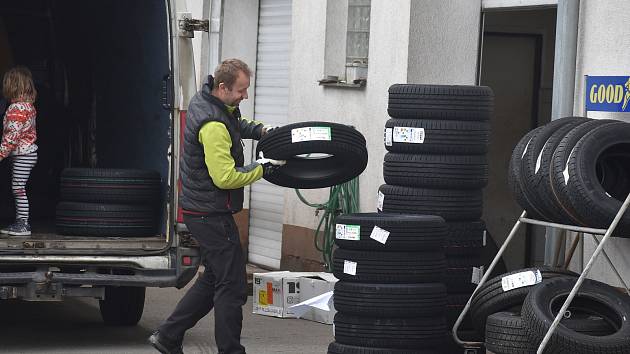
(471, 346)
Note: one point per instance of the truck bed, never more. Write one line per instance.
(45, 238)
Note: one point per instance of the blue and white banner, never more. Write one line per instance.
(608, 93)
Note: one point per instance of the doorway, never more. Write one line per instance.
(517, 59)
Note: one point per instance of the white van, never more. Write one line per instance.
(109, 92)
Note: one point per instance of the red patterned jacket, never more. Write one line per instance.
(19, 134)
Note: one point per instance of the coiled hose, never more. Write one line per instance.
(342, 199)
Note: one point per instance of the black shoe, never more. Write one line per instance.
(165, 345)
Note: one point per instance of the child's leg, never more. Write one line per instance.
(22, 166)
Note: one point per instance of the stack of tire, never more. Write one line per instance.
(574, 170)
(108, 202)
(516, 311)
(389, 296)
(436, 164)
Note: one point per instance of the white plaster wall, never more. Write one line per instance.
(444, 39)
(240, 39)
(604, 49)
(366, 108)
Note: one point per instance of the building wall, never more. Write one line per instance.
(604, 49)
(444, 39)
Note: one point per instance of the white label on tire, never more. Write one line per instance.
(350, 267)
(380, 200)
(348, 232)
(310, 134)
(408, 135)
(388, 136)
(379, 234)
(484, 238)
(477, 274)
(519, 280)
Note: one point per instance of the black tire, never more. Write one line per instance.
(122, 306)
(390, 300)
(535, 165)
(559, 163)
(455, 303)
(436, 171)
(595, 298)
(88, 219)
(390, 267)
(406, 232)
(464, 238)
(390, 332)
(459, 273)
(440, 102)
(345, 155)
(506, 332)
(514, 176)
(491, 298)
(460, 205)
(488, 252)
(436, 137)
(110, 186)
(338, 348)
(595, 198)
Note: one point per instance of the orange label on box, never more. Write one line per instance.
(270, 293)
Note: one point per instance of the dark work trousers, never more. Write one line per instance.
(223, 284)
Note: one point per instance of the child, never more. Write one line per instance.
(18, 141)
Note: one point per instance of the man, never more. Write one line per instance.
(213, 177)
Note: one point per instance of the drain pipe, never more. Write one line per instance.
(563, 92)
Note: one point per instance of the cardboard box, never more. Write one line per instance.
(275, 292)
(312, 286)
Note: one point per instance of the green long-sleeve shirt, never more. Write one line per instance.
(216, 142)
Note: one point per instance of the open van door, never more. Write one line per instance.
(184, 30)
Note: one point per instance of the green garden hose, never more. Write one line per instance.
(342, 199)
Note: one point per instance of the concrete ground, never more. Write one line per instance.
(75, 326)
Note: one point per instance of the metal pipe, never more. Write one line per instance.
(574, 245)
(587, 230)
(583, 275)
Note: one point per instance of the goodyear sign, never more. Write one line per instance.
(608, 93)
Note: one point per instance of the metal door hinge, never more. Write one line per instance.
(188, 26)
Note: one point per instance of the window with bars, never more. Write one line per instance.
(358, 32)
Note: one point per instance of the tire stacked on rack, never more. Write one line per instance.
(437, 142)
(574, 170)
(108, 202)
(389, 297)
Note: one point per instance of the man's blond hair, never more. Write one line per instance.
(18, 86)
(227, 72)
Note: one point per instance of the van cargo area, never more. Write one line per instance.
(102, 77)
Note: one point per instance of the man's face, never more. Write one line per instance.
(238, 92)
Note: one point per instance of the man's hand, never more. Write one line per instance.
(269, 165)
